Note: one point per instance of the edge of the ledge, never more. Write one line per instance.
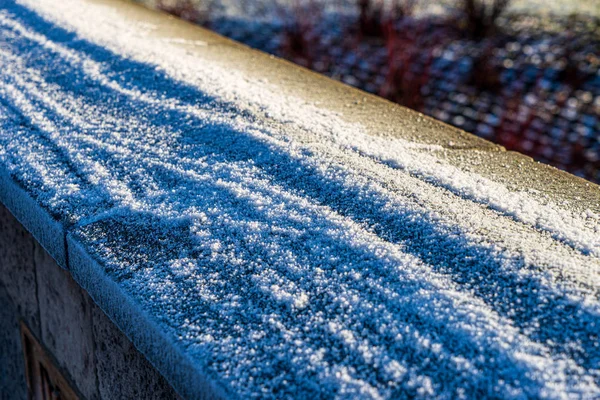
(48, 231)
(177, 368)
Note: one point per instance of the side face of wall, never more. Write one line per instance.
(92, 353)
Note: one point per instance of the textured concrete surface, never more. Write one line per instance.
(148, 338)
(379, 116)
(89, 349)
(17, 268)
(12, 365)
(43, 226)
(522, 173)
(17, 301)
(116, 355)
(66, 323)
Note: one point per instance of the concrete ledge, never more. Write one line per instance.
(45, 228)
(379, 116)
(149, 339)
(66, 326)
(357, 224)
(95, 357)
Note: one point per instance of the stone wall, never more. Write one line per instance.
(91, 352)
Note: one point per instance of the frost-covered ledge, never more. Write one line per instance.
(258, 230)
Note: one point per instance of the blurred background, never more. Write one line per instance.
(522, 73)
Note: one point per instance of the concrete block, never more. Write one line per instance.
(166, 356)
(17, 268)
(13, 385)
(123, 372)
(66, 323)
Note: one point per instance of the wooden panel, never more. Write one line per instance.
(44, 379)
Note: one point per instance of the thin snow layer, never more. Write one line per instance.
(285, 251)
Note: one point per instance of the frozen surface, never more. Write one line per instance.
(280, 250)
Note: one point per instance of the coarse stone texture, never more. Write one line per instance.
(17, 268)
(66, 323)
(17, 302)
(90, 350)
(116, 355)
(12, 366)
(266, 244)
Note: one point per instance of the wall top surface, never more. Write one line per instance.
(258, 230)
